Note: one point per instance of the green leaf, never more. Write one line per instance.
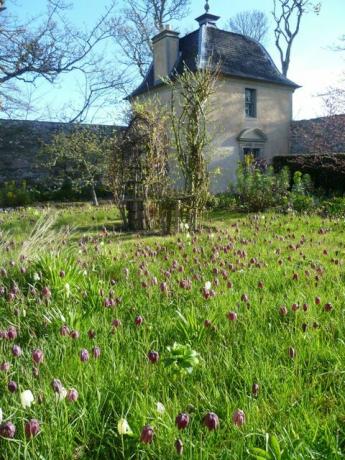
(260, 453)
(274, 444)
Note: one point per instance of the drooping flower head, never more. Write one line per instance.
(147, 434)
(211, 421)
(7, 430)
(26, 398)
(32, 428)
(238, 417)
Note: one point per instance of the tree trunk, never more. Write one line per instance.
(94, 196)
(123, 214)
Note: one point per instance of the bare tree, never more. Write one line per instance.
(334, 99)
(334, 96)
(79, 156)
(47, 47)
(139, 22)
(253, 24)
(288, 15)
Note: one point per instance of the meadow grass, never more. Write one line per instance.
(84, 273)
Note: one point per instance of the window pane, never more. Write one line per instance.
(250, 102)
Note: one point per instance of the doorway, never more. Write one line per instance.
(251, 151)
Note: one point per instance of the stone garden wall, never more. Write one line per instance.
(21, 140)
(20, 144)
(318, 135)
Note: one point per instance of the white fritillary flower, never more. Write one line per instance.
(123, 427)
(208, 285)
(26, 398)
(160, 408)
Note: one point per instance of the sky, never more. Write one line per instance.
(314, 64)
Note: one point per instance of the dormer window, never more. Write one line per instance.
(250, 102)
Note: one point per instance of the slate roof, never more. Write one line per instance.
(238, 55)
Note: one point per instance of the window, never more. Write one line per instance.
(250, 102)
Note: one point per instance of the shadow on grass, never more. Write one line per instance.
(115, 233)
(224, 215)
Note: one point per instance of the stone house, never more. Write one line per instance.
(252, 104)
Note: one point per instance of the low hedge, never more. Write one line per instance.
(327, 171)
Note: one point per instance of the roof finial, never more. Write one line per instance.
(207, 6)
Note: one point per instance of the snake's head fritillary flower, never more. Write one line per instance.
(7, 430)
(292, 352)
(294, 307)
(116, 323)
(12, 333)
(238, 417)
(211, 421)
(283, 311)
(59, 390)
(16, 351)
(153, 356)
(26, 398)
(38, 356)
(56, 385)
(147, 434)
(139, 320)
(232, 316)
(46, 293)
(5, 366)
(208, 285)
(72, 395)
(255, 390)
(74, 335)
(328, 307)
(96, 352)
(245, 298)
(12, 386)
(179, 446)
(91, 334)
(84, 355)
(160, 407)
(32, 428)
(182, 420)
(64, 330)
(123, 427)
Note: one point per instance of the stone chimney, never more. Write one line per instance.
(207, 19)
(165, 52)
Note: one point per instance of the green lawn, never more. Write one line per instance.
(96, 274)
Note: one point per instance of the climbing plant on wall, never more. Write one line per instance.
(189, 111)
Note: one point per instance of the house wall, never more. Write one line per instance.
(227, 120)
